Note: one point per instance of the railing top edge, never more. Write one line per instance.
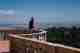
(46, 43)
(24, 34)
(40, 32)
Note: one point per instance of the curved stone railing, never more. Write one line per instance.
(27, 45)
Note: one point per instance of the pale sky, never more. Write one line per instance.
(54, 11)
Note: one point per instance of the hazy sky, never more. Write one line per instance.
(65, 11)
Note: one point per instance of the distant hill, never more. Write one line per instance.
(41, 25)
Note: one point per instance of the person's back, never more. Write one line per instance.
(31, 23)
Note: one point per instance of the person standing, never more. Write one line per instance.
(31, 24)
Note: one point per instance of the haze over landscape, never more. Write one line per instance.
(44, 11)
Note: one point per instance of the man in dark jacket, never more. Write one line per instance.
(31, 23)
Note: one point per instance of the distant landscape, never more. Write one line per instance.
(42, 25)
